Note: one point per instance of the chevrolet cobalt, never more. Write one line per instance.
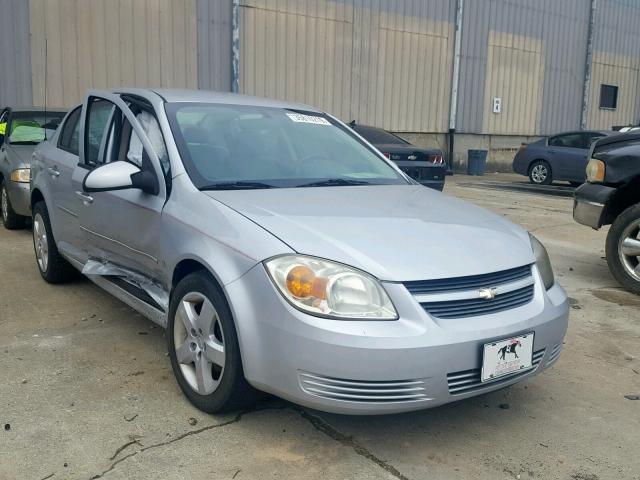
(283, 253)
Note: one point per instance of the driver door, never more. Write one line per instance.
(120, 227)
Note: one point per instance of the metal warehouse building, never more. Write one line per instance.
(496, 71)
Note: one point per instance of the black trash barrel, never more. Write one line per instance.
(476, 162)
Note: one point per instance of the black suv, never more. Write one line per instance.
(612, 196)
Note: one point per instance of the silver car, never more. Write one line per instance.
(283, 253)
(21, 129)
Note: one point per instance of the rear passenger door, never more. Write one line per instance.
(59, 163)
(567, 153)
(120, 227)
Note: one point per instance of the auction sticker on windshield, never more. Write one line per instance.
(301, 118)
(503, 357)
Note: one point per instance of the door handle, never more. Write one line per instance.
(87, 199)
(53, 172)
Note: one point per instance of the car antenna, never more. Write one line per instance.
(46, 62)
(352, 123)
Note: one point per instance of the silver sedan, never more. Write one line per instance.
(284, 253)
(21, 129)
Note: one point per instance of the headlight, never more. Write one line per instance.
(595, 171)
(21, 175)
(543, 263)
(330, 289)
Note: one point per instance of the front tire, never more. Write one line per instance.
(10, 219)
(623, 249)
(540, 173)
(203, 347)
(52, 266)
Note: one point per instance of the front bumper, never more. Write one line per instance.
(420, 358)
(589, 204)
(20, 197)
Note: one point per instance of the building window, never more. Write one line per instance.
(608, 96)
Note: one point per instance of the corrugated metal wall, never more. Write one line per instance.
(111, 43)
(616, 61)
(214, 45)
(380, 62)
(15, 66)
(561, 27)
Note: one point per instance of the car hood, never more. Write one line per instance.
(22, 153)
(395, 232)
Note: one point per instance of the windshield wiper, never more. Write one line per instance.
(25, 142)
(236, 186)
(334, 182)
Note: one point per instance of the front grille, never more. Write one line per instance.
(363, 391)
(468, 381)
(472, 282)
(479, 306)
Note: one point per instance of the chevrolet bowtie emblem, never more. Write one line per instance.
(487, 293)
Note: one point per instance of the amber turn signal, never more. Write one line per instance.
(303, 283)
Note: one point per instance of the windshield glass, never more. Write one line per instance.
(377, 136)
(237, 146)
(30, 128)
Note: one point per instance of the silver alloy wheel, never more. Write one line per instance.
(629, 249)
(5, 205)
(199, 343)
(40, 242)
(539, 173)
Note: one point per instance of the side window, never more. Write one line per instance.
(570, 140)
(99, 114)
(69, 139)
(124, 144)
(151, 127)
(4, 118)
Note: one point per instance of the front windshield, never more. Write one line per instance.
(238, 146)
(31, 128)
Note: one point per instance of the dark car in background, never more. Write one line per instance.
(425, 165)
(559, 157)
(21, 129)
(612, 197)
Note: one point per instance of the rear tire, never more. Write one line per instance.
(52, 266)
(540, 173)
(623, 249)
(10, 219)
(203, 347)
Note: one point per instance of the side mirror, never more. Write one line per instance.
(120, 176)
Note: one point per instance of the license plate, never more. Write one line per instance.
(503, 357)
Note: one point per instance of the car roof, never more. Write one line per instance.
(36, 109)
(171, 95)
(602, 132)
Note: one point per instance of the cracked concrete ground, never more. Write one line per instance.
(83, 376)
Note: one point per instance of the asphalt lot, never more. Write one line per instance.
(86, 388)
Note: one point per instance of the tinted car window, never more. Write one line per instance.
(274, 146)
(378, 136)
(69, 138)
(570, 140)
(30, 128)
